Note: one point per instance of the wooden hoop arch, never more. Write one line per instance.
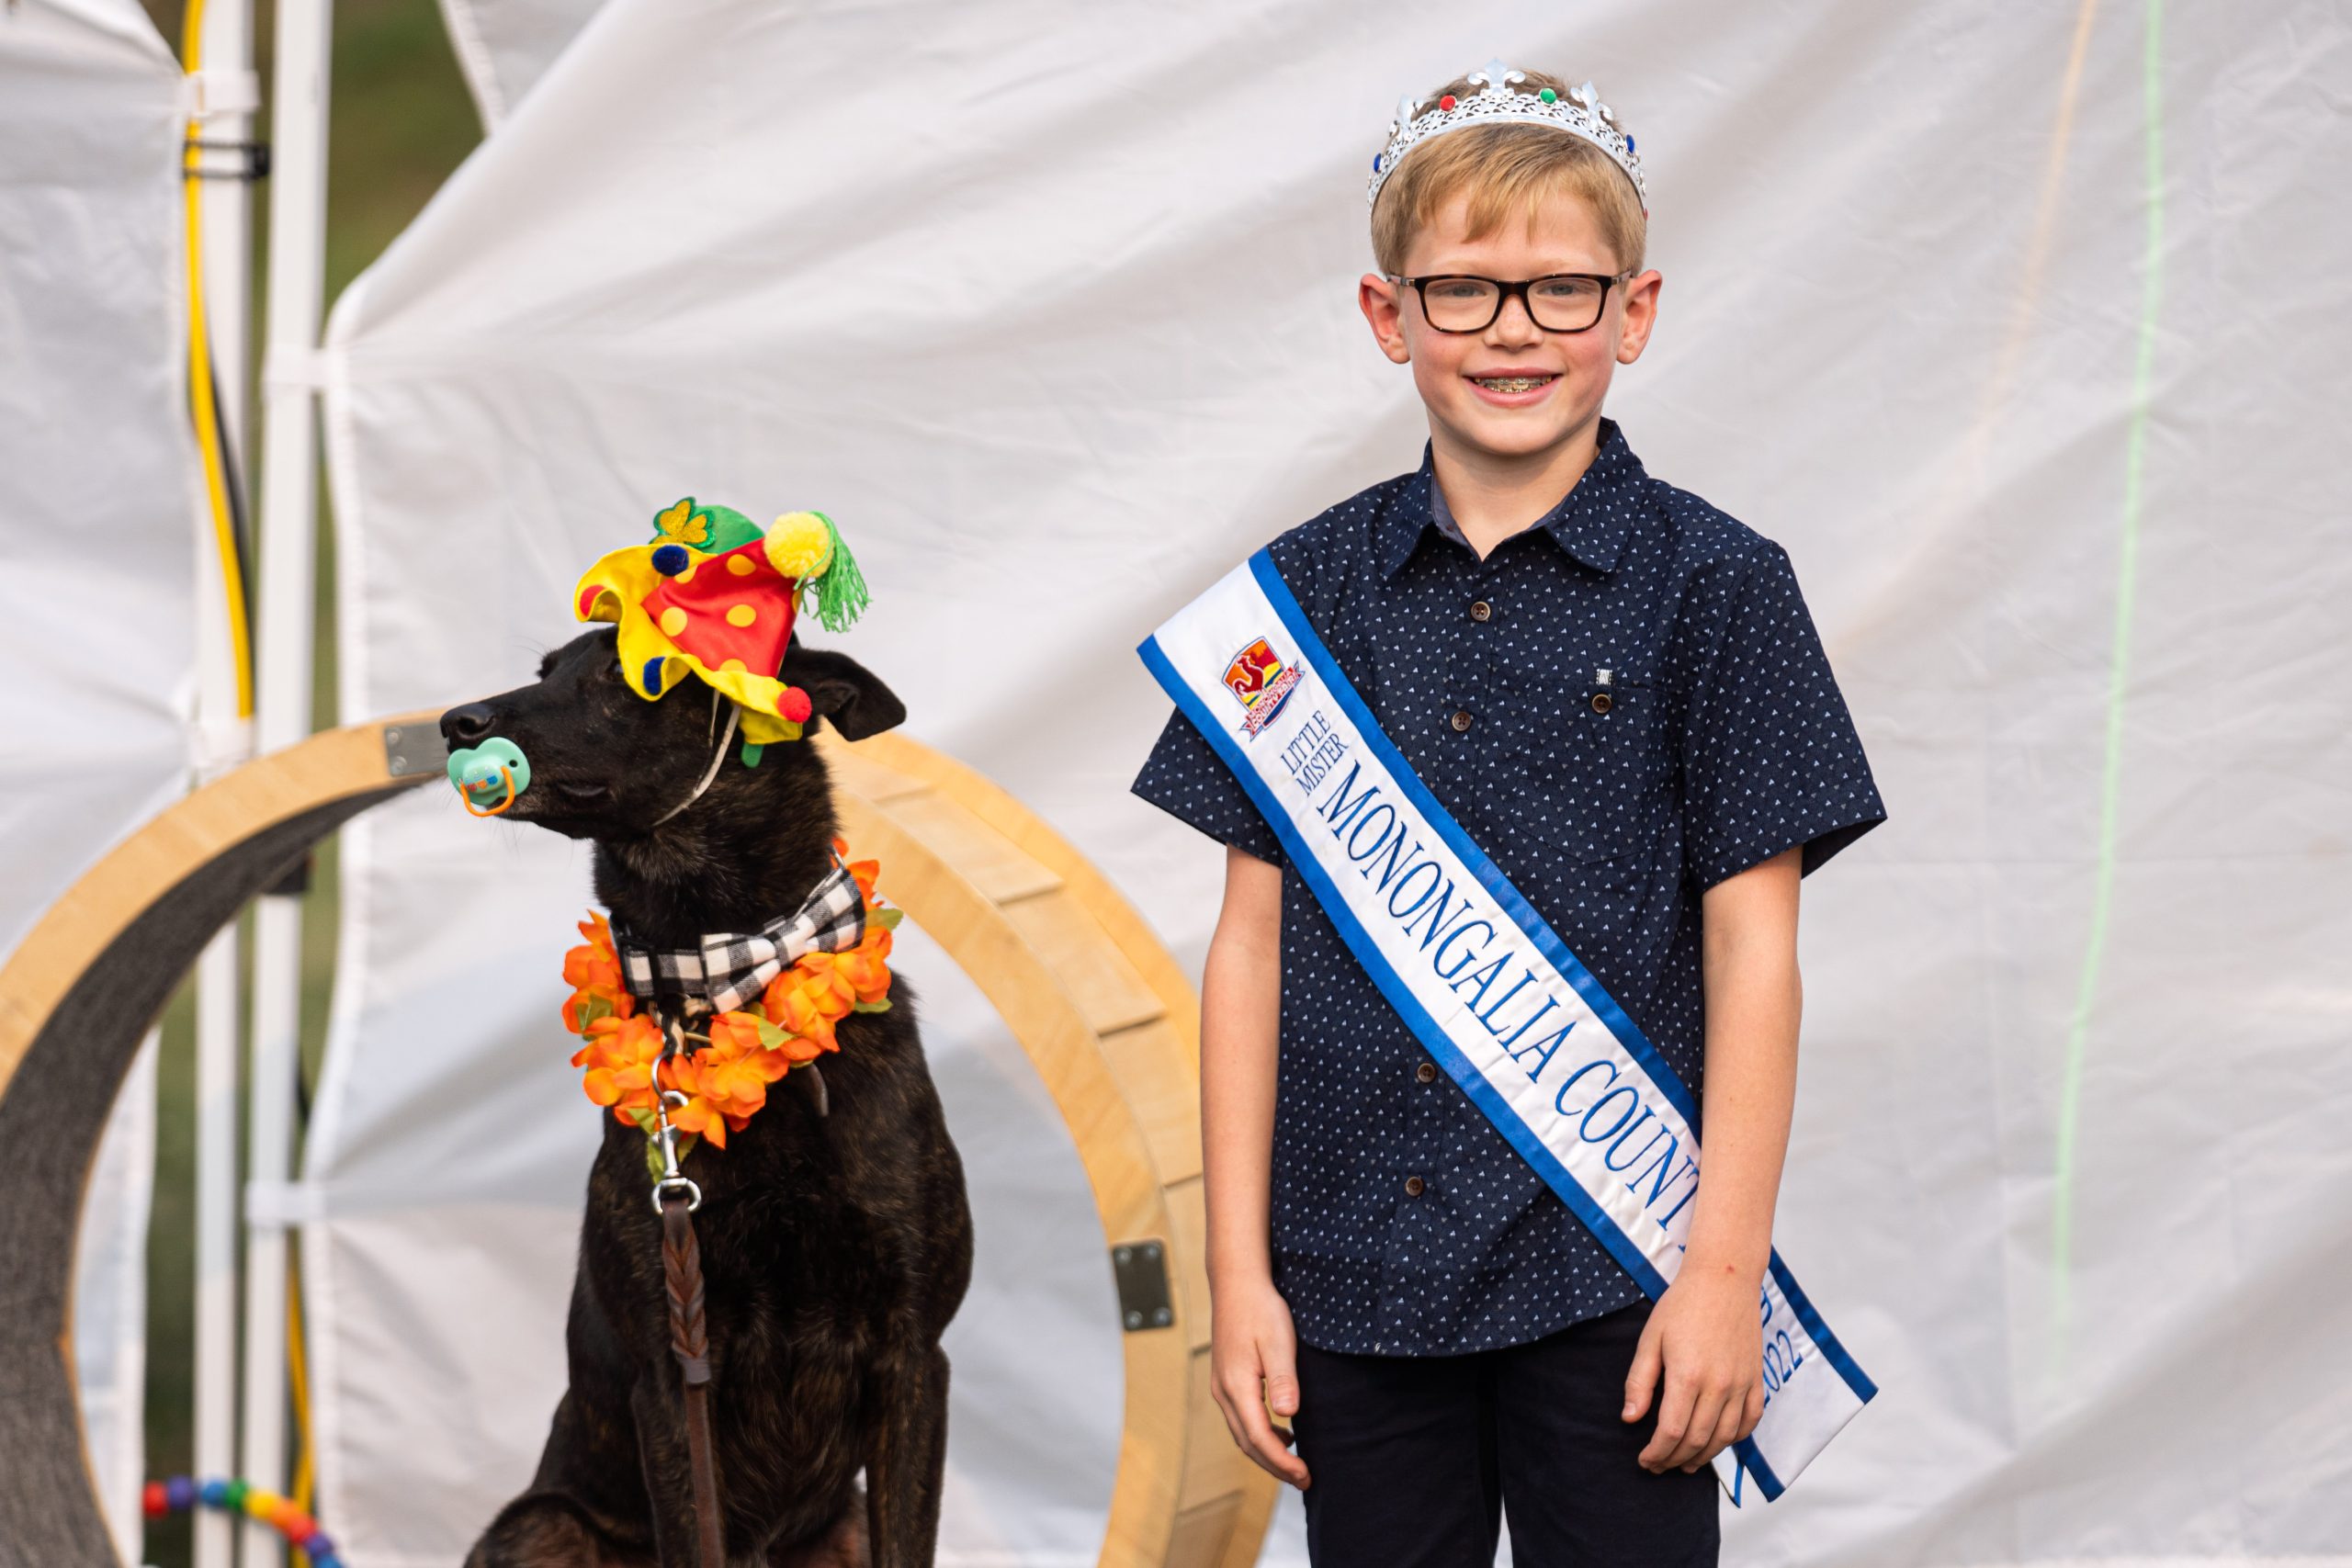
(1100, 1006)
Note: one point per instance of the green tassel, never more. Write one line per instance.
(841, 587)
(752, 754)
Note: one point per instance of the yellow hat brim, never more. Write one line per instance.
(614, 590)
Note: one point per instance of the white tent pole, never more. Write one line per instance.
(215, 1235)
(228, 216)
(225, 95)
(284, 647)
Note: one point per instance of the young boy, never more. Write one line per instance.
(1617, 695)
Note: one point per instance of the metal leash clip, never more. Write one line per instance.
(670, 1181)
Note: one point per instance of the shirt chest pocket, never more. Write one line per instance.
(1593, 775)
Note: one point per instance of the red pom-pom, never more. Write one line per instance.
(1446, 102)
(294, 1523)
(795, 704)
(152, 1500)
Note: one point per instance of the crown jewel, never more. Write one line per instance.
(1497, 102)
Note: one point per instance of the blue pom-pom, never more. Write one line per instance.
(180, 1491)
(215, 1493)
(670, 559)
(653, 677)
(321, 1548)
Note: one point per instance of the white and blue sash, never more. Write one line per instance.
(1490, 990)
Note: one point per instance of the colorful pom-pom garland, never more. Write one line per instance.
(180, 1493)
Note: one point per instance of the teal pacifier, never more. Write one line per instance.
(494, 771)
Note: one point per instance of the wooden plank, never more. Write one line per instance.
(1203, 1534)
(1188, 1212)
(1106, 986)
(1259, 1492)
(998, 807)
(186, 835)
(987, 858)
(1209, 1441)
(1156, 1071)
(868, 776)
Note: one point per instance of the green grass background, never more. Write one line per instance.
(400, 120)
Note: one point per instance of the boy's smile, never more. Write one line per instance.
(1515, 387)
(1513, 405)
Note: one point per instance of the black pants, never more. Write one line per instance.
(1412, 1459)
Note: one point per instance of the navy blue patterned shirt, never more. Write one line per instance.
(1622, 705)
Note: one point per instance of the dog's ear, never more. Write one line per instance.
(845, 692)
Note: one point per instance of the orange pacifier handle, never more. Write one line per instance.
(505, 777)
(495, 763)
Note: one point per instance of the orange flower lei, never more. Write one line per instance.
(726, 1080)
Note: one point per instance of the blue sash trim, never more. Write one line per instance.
(1317, 659)
(1824, 1341)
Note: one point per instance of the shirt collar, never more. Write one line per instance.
(1591, 521)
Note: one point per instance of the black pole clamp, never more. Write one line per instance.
(253, 159)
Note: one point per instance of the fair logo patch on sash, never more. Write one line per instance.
(1262, 682)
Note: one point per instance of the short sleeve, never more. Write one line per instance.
(1770, 756)
(1184, 778)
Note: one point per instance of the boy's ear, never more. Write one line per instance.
(844, 692)
(1640, 314)
(1383, 306)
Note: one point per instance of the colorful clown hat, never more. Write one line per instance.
(713, 593)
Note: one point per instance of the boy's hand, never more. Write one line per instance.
(1706, 1338)
(1254, 1357)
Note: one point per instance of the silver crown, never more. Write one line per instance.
(1580, 113)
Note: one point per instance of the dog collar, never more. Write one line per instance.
(726, 970)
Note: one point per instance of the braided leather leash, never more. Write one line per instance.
(690, 1342)
(677, 1198)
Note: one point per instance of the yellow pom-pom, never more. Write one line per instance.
(800, 545)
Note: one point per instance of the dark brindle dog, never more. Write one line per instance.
(836, 1242)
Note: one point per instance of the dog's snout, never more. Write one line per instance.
(468, 725)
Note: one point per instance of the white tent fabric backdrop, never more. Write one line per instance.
(2014, 327)
(504, 46)
(97, 506)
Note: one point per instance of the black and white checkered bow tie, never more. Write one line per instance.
(730, 969)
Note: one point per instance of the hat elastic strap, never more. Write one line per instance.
(734, 717)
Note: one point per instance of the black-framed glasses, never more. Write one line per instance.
(1558, 302)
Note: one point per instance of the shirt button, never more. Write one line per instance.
(1461, 720)
(1602, 703)
(1481, 610)
(1425, 1072)
(1413, 1187)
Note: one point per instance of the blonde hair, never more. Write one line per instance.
(1507, 170)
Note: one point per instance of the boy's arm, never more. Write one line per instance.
(1253, 1351)
(1705, 1333)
